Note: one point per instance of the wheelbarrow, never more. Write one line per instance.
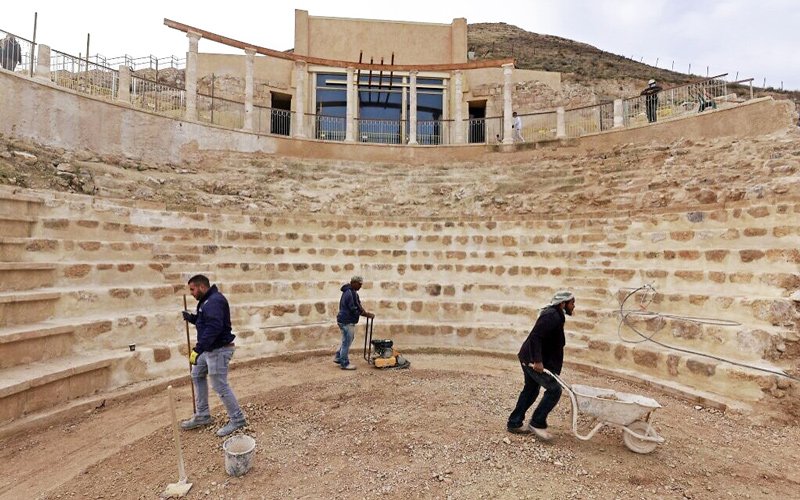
(630, 412)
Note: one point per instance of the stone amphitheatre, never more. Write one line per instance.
(112, 196)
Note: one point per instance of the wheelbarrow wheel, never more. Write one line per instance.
(635, 444)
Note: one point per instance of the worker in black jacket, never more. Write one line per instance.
(544, 348)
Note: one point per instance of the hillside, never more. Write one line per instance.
(579, 63)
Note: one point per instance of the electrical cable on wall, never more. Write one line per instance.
(646, 299)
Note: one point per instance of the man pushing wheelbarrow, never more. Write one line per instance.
(543, 349)
(542, 356)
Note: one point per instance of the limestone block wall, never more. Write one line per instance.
(83, 278)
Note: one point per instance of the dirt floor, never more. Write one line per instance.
(436, 430)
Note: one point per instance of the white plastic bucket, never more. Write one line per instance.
(239, 451)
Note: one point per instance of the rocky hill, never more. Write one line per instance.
(579, 63)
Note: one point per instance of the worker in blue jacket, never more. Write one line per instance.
(211, 355)
(544, 348)
(350, 310)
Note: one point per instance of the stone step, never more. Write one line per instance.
(674, 217)
(19, 308)
(27, 344)
(19, 204)
(16, 226)
(108, 273)
(57, 250)
(31, 387)
(18, 276)
(674, 367)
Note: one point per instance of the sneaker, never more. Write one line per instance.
(349, 366)
(522, 429)
(337, 361)
(542, 434)
(230, 427)
(195, 422)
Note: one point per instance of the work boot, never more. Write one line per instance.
(230, 427)
(522, 429)
(195, 422)
(542, 434)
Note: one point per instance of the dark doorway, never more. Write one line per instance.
(477, 121)
(281, 115)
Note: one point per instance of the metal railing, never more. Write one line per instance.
(272, 121)
(157, 97)
(83, 76)
(380, 131)
(588, 119)
(139, 63)
(538, 126)
(220, 111)
(433, 132)
(16, 53)
(329, 128)
(674, 102)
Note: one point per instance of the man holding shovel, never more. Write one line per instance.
(211, 355)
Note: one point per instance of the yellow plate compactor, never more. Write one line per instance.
(380, 353)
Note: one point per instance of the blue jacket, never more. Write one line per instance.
(349, 306)
(213, 322)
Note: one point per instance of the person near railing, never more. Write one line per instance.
(10, 52)
(651, 100)
(516, 125)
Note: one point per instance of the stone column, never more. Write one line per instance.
(412, 105)
(458, 113)
(249, 62)
(351, 106)
(507, 119)
(561, 126)
(299, 99)
(42, 71)
(619, 121)
(191, 76)
(124, 93)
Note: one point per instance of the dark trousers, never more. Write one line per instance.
(652, 110)
(533, 381)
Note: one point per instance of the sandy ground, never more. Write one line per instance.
(436, 430)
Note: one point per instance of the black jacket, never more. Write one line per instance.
(546, 341)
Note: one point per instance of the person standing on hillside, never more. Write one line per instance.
(651, 100)
(516, 125)
(350, 310)
(211, 355)
(544, 348)
(10, 53)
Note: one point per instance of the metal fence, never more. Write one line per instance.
(83, 76)
(16, 53)
(140, 63)
(588, 120)
(381, 131)
(219, 111)
(157, 97)
(329, 128)
(674, 102)
(538, 126)
(272, 121)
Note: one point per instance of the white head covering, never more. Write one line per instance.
(562, 296)
(651, 82)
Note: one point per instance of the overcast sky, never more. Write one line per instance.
(758, 39)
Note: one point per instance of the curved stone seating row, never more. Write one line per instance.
(82, 288)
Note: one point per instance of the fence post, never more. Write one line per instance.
(300, 99)
(458, 113)
(619, 120)
(124, 93)
(351, 105)
(249, 62)
(43, 63)
(191, 76)
(507, 131)
(412, 107)
(561, 126)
